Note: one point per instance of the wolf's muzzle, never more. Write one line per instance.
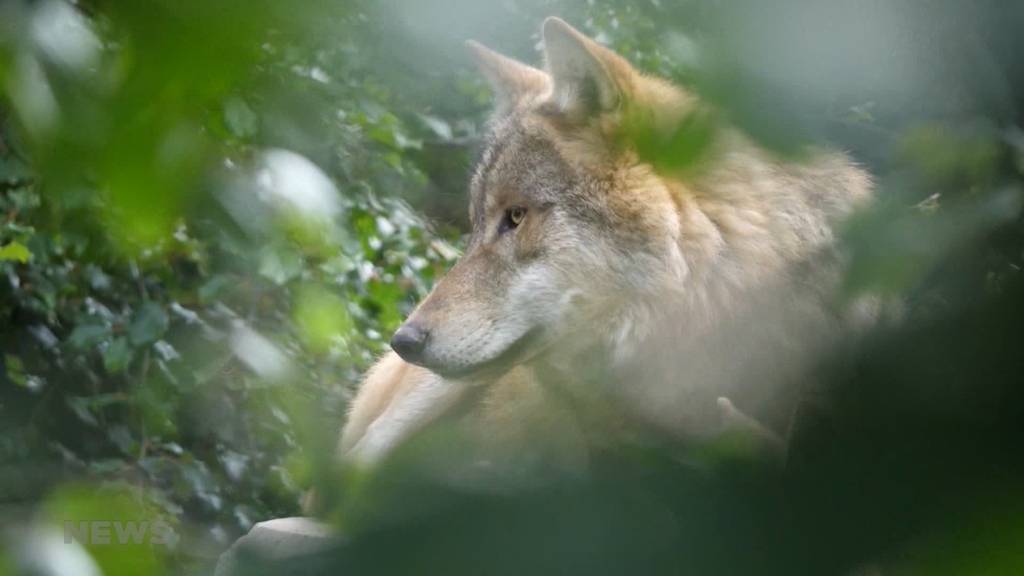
(409, 341)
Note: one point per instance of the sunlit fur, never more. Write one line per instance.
(626, 295)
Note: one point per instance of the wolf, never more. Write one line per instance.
(604, 292)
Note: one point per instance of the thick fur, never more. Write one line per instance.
(628, 297)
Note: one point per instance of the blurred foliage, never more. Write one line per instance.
(183, 290)
(211, 222)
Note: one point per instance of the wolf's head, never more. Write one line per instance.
(567, 223)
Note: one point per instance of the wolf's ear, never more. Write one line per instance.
(510, 79)
(588, 78)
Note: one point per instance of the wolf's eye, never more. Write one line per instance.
(513, 217)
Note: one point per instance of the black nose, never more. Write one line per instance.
(409, 341)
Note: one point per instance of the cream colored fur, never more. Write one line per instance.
(699, 286)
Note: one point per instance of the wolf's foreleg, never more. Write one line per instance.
(394, 401)
(422, 404)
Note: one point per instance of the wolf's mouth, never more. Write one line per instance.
(521, 349)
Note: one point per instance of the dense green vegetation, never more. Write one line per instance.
(213, 215)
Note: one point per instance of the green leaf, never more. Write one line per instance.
(15, 252)
(13, 169)
(321, 316)
(240, 119)
(121, 437)
(680, 149)
(81, 407)
(213, 289)
(149, 325)
(88, 335)
(438, 126)
(117, 356)
(280, 265)
(15, 369)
